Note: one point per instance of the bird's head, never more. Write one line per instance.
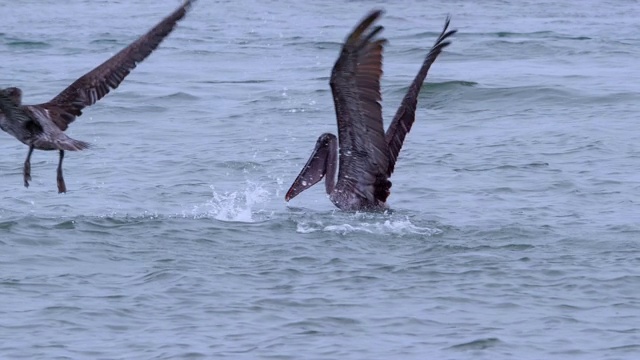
(13, 93)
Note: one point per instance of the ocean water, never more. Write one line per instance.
(514, 222)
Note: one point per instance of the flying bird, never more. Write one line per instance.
(42, 126)
(363, 154)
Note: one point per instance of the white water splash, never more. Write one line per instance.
(237, 206)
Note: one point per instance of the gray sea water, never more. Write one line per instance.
(514, 230)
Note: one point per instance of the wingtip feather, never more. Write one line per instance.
(187, 4)
(364, 24)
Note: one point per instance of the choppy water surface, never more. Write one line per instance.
(515, 206)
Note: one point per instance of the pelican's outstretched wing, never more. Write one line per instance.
(355, 83)
(406, 113)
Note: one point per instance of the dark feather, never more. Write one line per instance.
(355, 83)
(406, 114)
(94, 85)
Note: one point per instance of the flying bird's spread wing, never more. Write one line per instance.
(406, 113)
(355, 83)
(94, 85)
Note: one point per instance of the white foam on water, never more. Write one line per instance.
(309, 227)
(390, 227)
(237, 206)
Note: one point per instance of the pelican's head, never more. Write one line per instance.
(13, 93)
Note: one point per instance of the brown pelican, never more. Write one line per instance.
(367, 154)
(42, 126)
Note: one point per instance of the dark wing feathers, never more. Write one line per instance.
(355, 84)
(362, 26)
(405, 115)
(97, 83)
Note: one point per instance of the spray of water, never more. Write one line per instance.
(237, 206)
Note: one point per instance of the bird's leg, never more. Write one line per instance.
(26, 172)
(62, 188)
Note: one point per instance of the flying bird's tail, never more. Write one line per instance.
(75, 145)
(60, 142)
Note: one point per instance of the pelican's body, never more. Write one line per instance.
(42, 126)
(366, 155)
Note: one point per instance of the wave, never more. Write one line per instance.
(180, 95)
(108, 42)
(434, 86)
(532, 94)
(27, 44)
(256, 81)
(478, 344)
(326, 44)
(499, 34)
(535, 164)
(537, 35)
